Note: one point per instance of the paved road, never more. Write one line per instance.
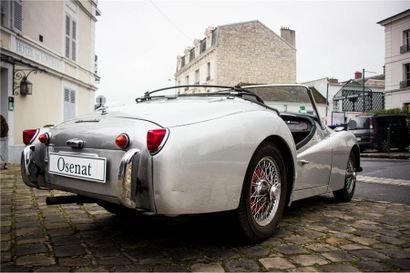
(317, 234)
(390, 168)
(380, 192)
(388, 173)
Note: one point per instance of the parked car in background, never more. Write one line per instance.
(175, 154)
(380, 131)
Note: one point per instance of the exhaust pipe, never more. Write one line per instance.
(59, 200)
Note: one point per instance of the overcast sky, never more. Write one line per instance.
(137, 42)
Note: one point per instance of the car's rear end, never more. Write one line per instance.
(101, 157)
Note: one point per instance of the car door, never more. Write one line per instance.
(314, 161)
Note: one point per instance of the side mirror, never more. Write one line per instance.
(351, 125)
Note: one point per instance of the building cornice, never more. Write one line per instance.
(86, 11)
(407, 89)
(48, 69)
(395, 17)
(46, 50)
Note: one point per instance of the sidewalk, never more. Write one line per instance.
(383, 180)
(391, 155)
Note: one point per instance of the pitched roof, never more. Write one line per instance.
(395, 17)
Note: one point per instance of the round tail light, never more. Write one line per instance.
(44, 138)
(122, 141)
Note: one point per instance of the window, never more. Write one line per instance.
(406, 42)
(406, 76)
(213, 42)
(197, 76)
(186, 81)
(69, 104)
(12, 15)
(407, 107)
(192, 54)
(70, 38)
(406, 81)
(17, 15)
(208, 69)
(182, 61)
(202, 46)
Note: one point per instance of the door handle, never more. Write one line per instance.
(304, 162)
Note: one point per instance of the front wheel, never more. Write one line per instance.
(346, 193)
(263, 195)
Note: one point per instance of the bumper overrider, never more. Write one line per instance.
(128, 182)
(31, 170)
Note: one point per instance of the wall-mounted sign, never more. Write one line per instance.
(38, 55)
(11, 104)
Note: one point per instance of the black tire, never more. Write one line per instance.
(251, 229)
(346, 193)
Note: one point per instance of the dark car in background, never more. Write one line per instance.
(380, 131)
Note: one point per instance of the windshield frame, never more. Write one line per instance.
(308, 90)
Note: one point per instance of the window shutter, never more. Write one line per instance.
(67, 95)
(72, 96)
(73, 30)
(69, 104)
(73, 41)
(18, 15)
(67, 36)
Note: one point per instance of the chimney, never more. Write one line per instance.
(288, 35)
(357, 75)
(332, 80)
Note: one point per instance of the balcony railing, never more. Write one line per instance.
(405, 83)
(404, 48)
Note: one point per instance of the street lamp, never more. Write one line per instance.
(22, 83)
(364, 90)
(26, 87)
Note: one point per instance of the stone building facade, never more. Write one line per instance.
(397, 60)
(247, 52)
(48, 46)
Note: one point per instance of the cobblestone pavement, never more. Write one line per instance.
(314, 235)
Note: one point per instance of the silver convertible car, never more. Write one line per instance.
(250, 150)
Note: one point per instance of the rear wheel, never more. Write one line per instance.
(263, 195)
(346, 193)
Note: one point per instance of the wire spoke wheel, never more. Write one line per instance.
(346, 193)
(265, 192)
(350, 179)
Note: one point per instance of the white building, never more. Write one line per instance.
(345, 99)
(49, 44)
(397, 60)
